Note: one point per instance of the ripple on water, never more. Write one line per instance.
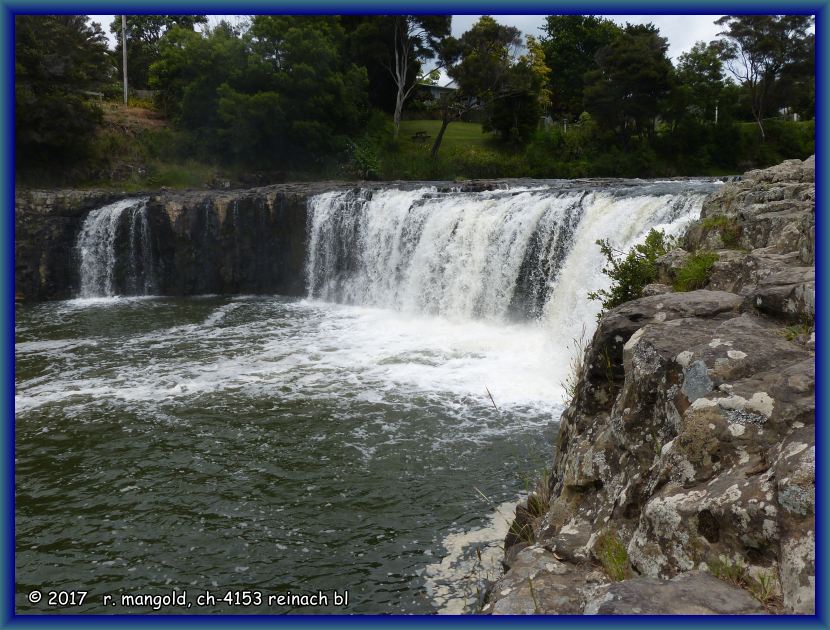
(174, 442)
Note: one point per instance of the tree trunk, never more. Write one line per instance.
(758, 108)
(445, 121)
(396, 119)
(761, 127)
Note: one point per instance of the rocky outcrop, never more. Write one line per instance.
(246, 241)
(249, 241)
(690, 441)
(46, 224)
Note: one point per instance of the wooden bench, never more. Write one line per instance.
(420, 136)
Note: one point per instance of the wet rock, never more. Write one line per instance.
(788, 294)
(656, 289)
(691, 435)
(46, 225)
(693, 593)
(539, 583)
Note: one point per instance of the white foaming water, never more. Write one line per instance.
(520, 254)
(624, 222)
(314, 349)
(486, 255)
(456, 582)
(482, 259)
(419, 302)
(122, 225)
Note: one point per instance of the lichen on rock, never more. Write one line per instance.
(691, 432)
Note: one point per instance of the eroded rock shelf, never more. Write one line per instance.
(688, 451)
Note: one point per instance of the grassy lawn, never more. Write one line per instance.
(458, 133)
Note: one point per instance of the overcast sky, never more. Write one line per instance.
(682, 31)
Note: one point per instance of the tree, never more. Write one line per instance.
(479, 62)
(143, 35)
(570, 45)
(631, 81)
(191, 67)
(367, 45)
(399, 45)
(700, 74)
(323, 96)
(796, 87)
(757, 48)
(58, 59)
(281, 93)
(515, 111)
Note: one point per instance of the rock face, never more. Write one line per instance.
(248, 241)
(690, 440)
(212, 241)
(238, 242)
(46, 225)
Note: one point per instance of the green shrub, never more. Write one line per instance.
(735, 573)
(796, 332)
(365, 162)
(728, 228)
(695, 273)
(631, 272)
(612, 555)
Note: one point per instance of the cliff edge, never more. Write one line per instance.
(684, 473)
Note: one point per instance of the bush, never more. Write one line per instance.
(695, 273)
(364, 162)
(728, 228)
(631, 272)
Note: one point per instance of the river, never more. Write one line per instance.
(370, 437)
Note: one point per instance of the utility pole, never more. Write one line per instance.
(124, 52)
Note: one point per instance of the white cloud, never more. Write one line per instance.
(682, 31)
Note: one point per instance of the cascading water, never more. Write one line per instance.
(344, 441)
(115, 251)
(525, 253)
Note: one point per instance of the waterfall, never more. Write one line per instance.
(518, 253)
(115, 251)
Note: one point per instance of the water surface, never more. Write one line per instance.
(271, 444)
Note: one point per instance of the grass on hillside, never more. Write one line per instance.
(137, 148)
(461, 134)
(465, 153)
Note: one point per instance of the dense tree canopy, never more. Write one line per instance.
(570, 45)
(58, 60)
(279, 92)
(700, 80)
(758, 49)
(515, 110)
(143, 35)
(632, 79)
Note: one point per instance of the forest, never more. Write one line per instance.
(278, 97)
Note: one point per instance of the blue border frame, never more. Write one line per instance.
(459, 7)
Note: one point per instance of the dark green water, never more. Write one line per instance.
(270, 445)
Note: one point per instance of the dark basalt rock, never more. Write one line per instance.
(216, 241)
